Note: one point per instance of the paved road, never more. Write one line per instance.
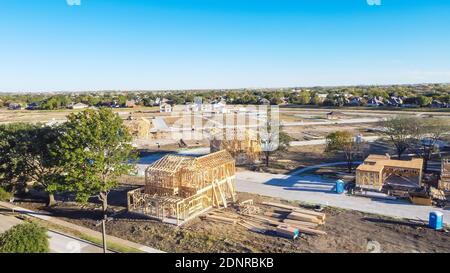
(59, 243)
(323, 141)
(315, 190)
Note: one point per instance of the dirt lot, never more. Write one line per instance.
(347, 231)
(302, 156)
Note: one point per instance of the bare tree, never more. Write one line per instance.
(399, 130)
(346, 143)
(425, 136)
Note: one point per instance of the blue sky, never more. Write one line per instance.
(47, 45)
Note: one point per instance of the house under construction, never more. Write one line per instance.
(244, 145)
(139, 127)
(378, 170)
(444, 182)
(178, 188)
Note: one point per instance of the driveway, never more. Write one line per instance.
(316, 190)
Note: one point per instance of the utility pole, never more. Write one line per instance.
(105, 249)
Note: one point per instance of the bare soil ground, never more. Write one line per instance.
(302, 156)
(347, 231)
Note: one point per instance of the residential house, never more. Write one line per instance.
(165, 108)
(394, 101)
(264, 101)
(79, 105)
(14, 106)
(32, 106)
(220, 107)
(438, 104)
(375, 102)
(355, 101)
(130, 104)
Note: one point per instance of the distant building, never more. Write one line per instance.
(165, 108)
(130, 104)
(78, 106)
(410, 105)
(220, 107)
(264, 101)
(395, 101)
(14, 106)
(375, 102)
(32, 106)
(438, 104)
(355, 101)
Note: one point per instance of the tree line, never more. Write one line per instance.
(84, 156)
(421, 95)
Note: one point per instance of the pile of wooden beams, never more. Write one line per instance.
(247, 208)
(290, 223)
(306, 221)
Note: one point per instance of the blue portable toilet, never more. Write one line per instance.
(339, 186)
(435, 221)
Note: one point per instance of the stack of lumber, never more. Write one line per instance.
(287, 231)
(222, 218)
(252, 226)
(247, 208)
(306, 221)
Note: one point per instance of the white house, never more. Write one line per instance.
(220, 107)
(78, 106)
(165, 108)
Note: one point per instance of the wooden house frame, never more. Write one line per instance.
(179, 188)
(444, 182)
(243, 145)
(139, 127)
(377, 169)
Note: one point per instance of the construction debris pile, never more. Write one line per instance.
(271, 218)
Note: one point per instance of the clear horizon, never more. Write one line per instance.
(159, 45)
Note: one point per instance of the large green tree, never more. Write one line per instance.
(97, 150)
(344, 142)
(27, 157)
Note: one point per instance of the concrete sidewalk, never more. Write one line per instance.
(314, 190)
(86, 231)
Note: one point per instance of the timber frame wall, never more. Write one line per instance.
(376, 169)
(178, 188)
(244, 145)
(444, 182)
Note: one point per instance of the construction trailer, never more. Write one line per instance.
(244, 145)
(179, 188)
(444, 182)
(380, 170)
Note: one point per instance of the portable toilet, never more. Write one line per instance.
(435, 221)
(339, 186)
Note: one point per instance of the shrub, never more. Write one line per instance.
(25, 238)
(4, 195)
